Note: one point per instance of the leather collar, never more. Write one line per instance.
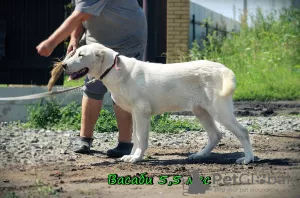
(108, 70)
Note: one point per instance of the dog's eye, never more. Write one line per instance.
(80, 55)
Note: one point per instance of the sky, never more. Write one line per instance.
(227, 7)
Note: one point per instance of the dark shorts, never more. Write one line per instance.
(97, 90)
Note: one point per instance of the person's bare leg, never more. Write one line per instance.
(90, 114)
(124, 121)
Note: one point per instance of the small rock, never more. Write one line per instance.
(57, 174)
(34, 140)
(59, 189)
(62, 151)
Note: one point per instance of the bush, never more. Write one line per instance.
(44, 113)
(48, 114)
(265, 56)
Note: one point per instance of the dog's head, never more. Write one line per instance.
(91, 59)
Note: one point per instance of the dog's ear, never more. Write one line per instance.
(99, 54)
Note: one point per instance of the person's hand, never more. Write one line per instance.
(45, 48)
(73, 44)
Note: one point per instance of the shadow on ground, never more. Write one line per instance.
(214, 158)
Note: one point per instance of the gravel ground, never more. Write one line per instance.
(28, 156)
(35, 147)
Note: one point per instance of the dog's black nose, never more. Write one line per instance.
(64, 66)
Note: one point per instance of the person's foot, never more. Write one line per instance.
(120, 150)
(82, 145)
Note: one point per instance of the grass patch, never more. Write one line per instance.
(40, 189)
(72, 83)
(49, 114)
(11, 195)
(43, 190)
(265, 57)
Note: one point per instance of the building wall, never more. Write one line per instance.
(178, 20)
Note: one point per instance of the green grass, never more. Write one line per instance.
(49, 114)
(40, 189)
(11, 195)
(72, 83)
(264, 57)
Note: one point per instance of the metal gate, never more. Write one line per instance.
(25, 23)
(156, 11)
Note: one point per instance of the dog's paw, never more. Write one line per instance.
(244, 160)
(197, 156)
(133, 150)
(131, 158)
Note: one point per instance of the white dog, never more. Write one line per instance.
(144, 89)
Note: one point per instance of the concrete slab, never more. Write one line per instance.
(17, 110)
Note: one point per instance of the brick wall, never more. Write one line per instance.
(178, 20)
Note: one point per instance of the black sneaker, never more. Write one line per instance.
(120, 150)
(82, 145)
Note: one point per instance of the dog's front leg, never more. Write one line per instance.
(141, 125)
(134, 137)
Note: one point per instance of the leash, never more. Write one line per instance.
(45, 94)
(52, 93)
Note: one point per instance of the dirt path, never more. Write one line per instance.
(88, 176)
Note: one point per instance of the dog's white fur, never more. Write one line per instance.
(144, 89)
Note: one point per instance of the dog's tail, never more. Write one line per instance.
(228, 82)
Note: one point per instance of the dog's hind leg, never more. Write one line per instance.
(214, 135)
(226, 117)
(140, 138)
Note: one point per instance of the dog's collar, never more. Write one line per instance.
(113, 65)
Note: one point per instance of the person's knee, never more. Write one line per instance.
(95, 90)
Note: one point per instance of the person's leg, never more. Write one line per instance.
(124, 121)
(91, 106)
(90, 114)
